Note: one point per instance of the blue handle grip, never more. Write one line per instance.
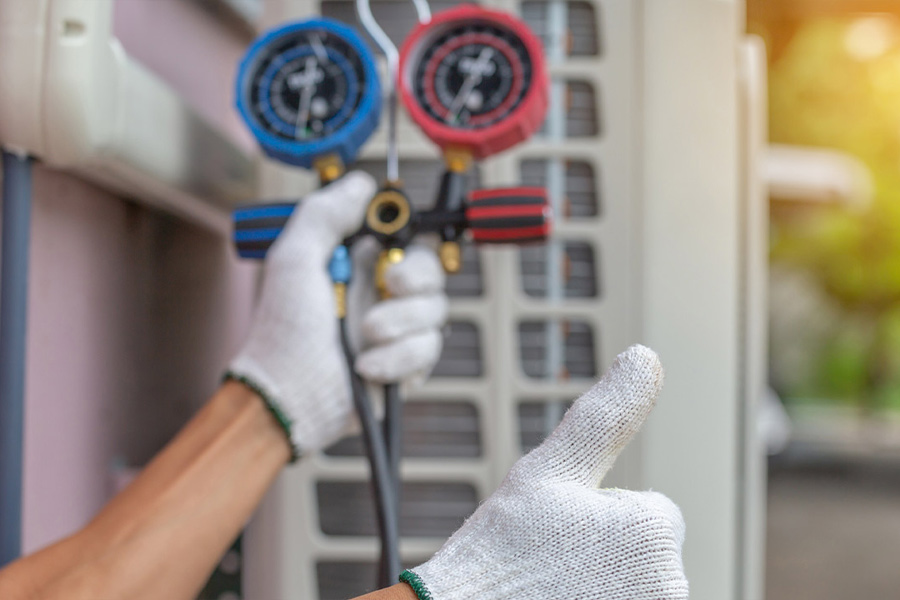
(257, 227)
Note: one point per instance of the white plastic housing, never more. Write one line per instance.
(72, 97)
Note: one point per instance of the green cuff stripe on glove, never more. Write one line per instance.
(418, 586)
(282, 418)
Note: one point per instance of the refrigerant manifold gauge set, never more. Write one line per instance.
(472, 79)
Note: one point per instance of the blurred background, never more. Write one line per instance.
(834, 296)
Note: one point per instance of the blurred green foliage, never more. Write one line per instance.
(823, 93)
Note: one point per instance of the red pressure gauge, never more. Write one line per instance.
(474, 80)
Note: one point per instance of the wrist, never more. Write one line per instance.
(274, 422)
(401, 591)
(416, 585)
(304, 385)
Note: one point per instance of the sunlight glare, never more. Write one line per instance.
(870, 37)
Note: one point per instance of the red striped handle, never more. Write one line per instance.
(509, 215)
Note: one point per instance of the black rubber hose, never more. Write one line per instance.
(393, 436)
(382, 481)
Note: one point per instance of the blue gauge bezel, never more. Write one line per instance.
(347, 140)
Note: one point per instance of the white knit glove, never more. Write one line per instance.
(293, 356)
(550, 533)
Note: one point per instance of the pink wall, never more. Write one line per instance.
(88, 258)
(132, 318)
(132, 314)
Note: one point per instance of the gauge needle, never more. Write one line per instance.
(308, 80)
(318, 48)
(473, 78)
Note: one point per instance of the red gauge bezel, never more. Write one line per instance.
(518, 126)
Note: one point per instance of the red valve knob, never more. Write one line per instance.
(509, 215)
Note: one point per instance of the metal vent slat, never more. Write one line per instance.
(397, 18)
(583, 29)
(578, 270)
(581, 113)
(430, 430)
(581, 197)
(468, 281)
(581, 37)
(582, 119)
(427, 509)
(342, 580)
(461, 355)
(579, 358)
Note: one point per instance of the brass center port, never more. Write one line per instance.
(388, 212)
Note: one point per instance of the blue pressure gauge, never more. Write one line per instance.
(309, 90)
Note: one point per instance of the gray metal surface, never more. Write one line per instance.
(13, 307)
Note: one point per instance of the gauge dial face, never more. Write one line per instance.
(472, 75)
(306, 85)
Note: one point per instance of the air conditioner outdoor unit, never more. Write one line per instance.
(651, 156)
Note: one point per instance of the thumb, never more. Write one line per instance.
(327, 216)
(601, 423)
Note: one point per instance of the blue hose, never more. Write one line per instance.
(13, 305)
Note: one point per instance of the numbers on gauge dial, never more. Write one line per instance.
(472, 76)
(306, 86)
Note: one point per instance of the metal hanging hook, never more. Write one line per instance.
(367, 19)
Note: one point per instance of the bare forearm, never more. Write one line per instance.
(162, 536)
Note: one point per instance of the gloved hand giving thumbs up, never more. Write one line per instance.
(550, 532)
